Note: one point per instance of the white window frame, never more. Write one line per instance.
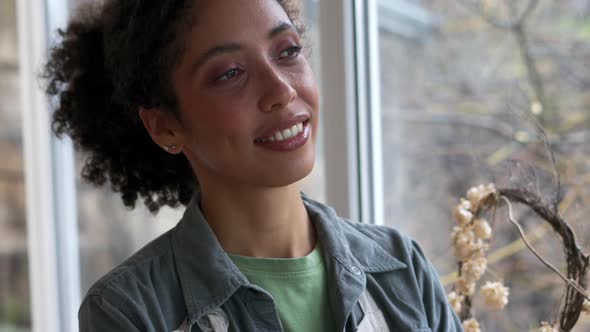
(351, 111)
(54, 273)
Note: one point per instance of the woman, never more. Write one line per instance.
(211, 104)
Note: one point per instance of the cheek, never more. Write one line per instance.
(308, 89)
(228, 119)
(308, 92)
(220, 121)
(214, 112)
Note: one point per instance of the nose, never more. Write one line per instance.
(277, 91)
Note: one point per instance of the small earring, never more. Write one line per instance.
(169, 148)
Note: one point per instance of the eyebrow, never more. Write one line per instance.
(234, 47)
(283, 26)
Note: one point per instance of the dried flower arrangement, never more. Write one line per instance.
(471, 238)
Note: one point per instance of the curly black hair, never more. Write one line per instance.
(110, 60)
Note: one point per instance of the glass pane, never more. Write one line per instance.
(109, 232)
(314, 184)
(14, 275)
(459, 91)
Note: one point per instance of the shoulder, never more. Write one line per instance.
(146, 284)
(135, 269)
(387, 237)
(402, 246)
(364, 240)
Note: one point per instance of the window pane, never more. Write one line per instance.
(314, 184)
(109, 233)
(458, 93)
(14, 275)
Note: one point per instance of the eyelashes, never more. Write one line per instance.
(230, 74)
(290, 53)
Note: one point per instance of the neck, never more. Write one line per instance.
(259, 222)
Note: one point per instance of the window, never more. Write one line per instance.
(458, 92)
(14, 274)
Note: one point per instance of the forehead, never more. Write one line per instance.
(232, 20)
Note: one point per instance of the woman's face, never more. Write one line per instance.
(242, 81)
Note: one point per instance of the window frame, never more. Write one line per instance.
(351, 100)
(52, 240)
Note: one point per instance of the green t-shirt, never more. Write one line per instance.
(298, 285)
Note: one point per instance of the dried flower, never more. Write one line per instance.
(474, 195)
(470, 250)
(474, 269)
(479, 195)
(491, 188)
(462, 216)
(545, 327)
(479, 247)
(466, 205)
(465, 287)
(482, 229)
(495, 295)
(471, 325)
(462, 236)
(455, 301)
(464, 252)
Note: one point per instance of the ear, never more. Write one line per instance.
(164, 128)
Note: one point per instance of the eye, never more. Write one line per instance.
(291, 52)
(230, 74)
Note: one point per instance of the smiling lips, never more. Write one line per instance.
(281, 135)
(287, 139)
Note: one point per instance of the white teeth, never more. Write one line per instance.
(287, 133)
(284, 134)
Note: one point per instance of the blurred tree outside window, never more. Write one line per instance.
(464, 83)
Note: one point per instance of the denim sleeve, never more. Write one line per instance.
(98, 314)
(440, 315)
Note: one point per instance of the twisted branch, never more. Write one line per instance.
(570, 282)
(577, 261)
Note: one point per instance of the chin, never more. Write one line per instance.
(289, 176)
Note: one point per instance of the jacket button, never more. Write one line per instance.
(356, 270)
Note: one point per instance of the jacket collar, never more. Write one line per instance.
(349, 255)
(346, 243)
(209, 277)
